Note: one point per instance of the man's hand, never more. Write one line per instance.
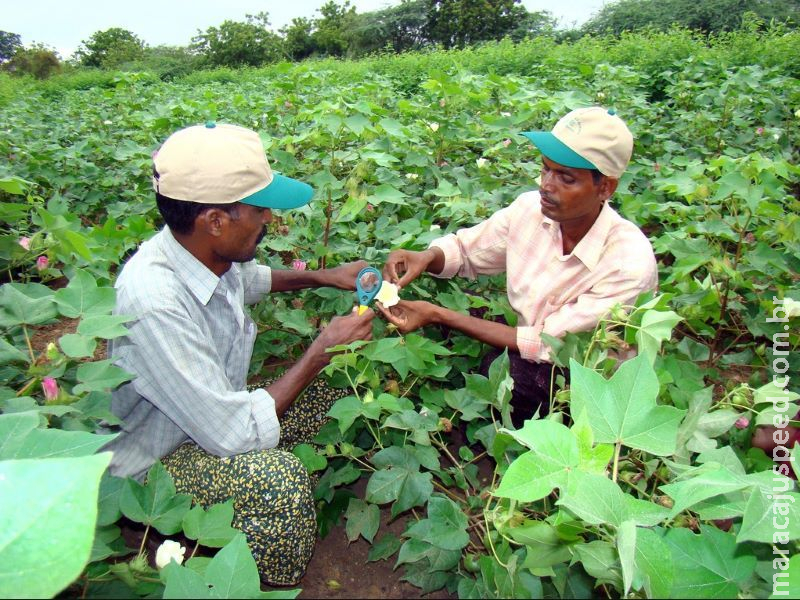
(343, 330)
(409, 315)
(344, 276)
(404, 266)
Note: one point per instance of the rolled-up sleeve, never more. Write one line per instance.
(187, 383)
(477, 250)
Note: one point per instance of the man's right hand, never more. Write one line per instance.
(404, 266)
(344, 330)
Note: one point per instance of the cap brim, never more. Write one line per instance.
(557, 151)
(282, 192)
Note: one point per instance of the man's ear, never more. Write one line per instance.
(607, 187)
(212, 221)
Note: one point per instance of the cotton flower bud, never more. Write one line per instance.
(742, 423)
(434, 126)
(388, 295)
(50, 389)
(442, 102)
(168, 551)
(25, 242)
(42, 263)
(52, 352)
(299, 265)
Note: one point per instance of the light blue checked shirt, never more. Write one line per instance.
(189, 346)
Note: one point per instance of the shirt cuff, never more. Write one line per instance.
(267, 425)
(452, 255)
(530, 344)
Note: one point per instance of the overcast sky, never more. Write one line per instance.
(64, 24)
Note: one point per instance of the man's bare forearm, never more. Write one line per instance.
(285, 280)
(289, 386)
(495, 334)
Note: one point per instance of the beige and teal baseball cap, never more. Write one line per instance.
(587, 138)
(219, 163)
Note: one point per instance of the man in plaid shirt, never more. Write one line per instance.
(568, 256)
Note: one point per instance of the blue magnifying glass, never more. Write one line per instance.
(368, 284)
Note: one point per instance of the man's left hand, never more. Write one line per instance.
(408, 315)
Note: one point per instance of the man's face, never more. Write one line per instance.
(243, 234)
(570, 196)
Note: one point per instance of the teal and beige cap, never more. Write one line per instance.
(587, 138)
(222, 164)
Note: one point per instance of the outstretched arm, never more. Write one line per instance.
(409, 315)
(342, 277)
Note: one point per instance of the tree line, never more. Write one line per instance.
(340, 31)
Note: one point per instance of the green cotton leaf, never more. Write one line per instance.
(106, 327)
(384, 547)
(99, 376)
(362, 519)
(108, 499)
(448, 524)
(398, 480)
(346, 410)
(351, 208)
(358, 123)
(706, 482)
(765, 508)
(10, 353)
(595, 499)
(626, 548)
(445, 189)
(211, 528)
(708, 564)
(411, 420)
(655, 328)
(15, 185)
(653, 568)
(312, 461)
(386, 193)
(544, 546)
(394, 128)
(14, 429)
(553, 457)
(55, 443)
(233, 573)
(624, 407)
(75, 345)
(48, 513)
(26, 304)
(462, 400)
(601, 561)
(155, 503)
(183, 582)
(296, 320)
(83, 297)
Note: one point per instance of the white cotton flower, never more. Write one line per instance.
(168, 551)
(481, 162)
(412, 176)
(796, 113)
(388, 295)
(792, 307)
(107, 122)
(601, 96)
(434, 126)
(776, 136)
(505, 114)
(435, 227)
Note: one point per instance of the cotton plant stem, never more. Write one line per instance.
(617, 449)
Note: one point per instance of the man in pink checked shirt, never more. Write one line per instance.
(568, 256)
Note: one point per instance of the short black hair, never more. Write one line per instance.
(180, 215)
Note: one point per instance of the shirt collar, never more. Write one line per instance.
(197, 277)
(590, 248)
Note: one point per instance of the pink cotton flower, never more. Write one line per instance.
(25, 242)
(50, 388)
(41, 263)
(506, 143)
(742, 423)
(442, 102)
(299, 265)
(370, 208)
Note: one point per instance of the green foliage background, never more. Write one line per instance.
(400, 150)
